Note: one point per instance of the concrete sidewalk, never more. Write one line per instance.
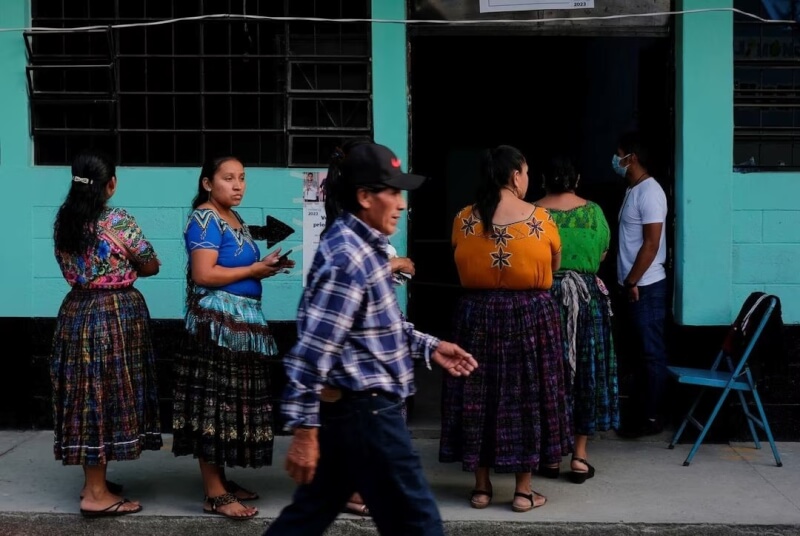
(640, 487)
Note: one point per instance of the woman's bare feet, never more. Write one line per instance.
(526, 499)
(229, 508)
(239, 492)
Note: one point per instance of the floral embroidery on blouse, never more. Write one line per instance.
(104, 265)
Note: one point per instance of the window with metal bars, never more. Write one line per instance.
(766, 97)
(275, 93)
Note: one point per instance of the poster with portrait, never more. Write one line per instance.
(313, 216)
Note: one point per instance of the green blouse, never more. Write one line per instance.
(584, 237)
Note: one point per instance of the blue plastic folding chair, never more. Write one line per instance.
(730, 372)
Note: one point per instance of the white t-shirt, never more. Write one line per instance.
(644, 203)
(310, 194)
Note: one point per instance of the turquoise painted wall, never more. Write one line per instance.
(766, 238)
(736, 233)
(30, 282)
(703, 162)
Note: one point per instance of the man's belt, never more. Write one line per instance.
(330, 394)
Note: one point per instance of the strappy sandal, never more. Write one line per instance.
(233, 487)
(225, 499)
(480, 505)
(355, 508)
(111, 511)
(530, 497)
(579, 477)
(113, 488)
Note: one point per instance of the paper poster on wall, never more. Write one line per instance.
(313, 216)
(492, 6)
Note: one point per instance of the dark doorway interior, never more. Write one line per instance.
(543, 95)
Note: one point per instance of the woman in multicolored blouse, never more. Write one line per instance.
(222, 414)
(103, 368)
(585, 310)
(512, 413)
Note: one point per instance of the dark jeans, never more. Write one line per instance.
(365, 446)
(648, 319)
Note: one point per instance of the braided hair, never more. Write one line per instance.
(498, 166)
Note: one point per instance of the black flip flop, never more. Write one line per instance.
(111, 511)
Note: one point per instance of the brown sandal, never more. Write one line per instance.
(477, 493)
(223, 500)
(530, 497)
(233, 487)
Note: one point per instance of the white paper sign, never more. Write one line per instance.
(313, 216)
(492, 6)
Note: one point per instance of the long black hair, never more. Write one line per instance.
(209, 169)
(75, 229)
(339, 194)
(560, 175)
(496, 170)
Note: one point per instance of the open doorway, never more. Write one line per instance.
(543, 95)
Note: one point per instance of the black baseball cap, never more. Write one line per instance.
(370, 164)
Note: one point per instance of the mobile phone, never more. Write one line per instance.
(285, 256)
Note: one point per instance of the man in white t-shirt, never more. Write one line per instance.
(641, 272)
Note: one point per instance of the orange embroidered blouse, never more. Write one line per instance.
(517, 256)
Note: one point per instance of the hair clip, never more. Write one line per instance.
(84, 180)
(338, 153)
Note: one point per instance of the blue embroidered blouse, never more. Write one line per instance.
(206, 230)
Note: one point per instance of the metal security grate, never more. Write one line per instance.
(276, 93)
(766, 90)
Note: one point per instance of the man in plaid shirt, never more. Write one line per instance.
(352, 366)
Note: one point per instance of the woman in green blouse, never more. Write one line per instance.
(585, 311)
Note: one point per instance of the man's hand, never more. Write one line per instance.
(402, 264)
(633, 294)
(454, 359)
(301, 461)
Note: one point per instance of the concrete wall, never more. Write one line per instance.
(766, 238)
(30, 281)
(736, 233)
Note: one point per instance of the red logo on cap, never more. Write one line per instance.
(396, 162)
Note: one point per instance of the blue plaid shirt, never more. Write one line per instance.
(351, 334)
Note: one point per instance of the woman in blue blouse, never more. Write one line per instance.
(222, 414)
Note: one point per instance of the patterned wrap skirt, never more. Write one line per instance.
(512, 412)
(222, 412)
(594, 391)
(105, 400)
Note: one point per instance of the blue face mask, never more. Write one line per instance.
(618, 169)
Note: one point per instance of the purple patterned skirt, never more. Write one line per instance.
(512, 413)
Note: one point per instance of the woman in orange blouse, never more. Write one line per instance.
(512, 413)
